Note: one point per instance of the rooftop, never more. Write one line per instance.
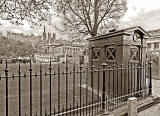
(126, 31)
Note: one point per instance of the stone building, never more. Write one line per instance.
(71, 50)
(153, 44)
(153, 51)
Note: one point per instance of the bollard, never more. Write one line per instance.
(132, 106)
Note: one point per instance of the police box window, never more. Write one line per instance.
(110, 54)
(134, 56)
(95, 53)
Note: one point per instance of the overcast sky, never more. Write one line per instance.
(145, 13)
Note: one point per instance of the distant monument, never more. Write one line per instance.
(49, 38)
(44, 33)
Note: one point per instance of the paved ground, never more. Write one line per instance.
(156, 87)
(155, 109)
(152, 111)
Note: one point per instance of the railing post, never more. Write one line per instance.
(66, 86)
(6, 73)
(50, 87)
(121, 79)
(150, 78)
(19, 75)
(92, 70)
(40, 89)
(86, 88)
(104, 85)
(30, 71)
(74, 105)
(59, 88)
(98, 87)
(80, 81)
(128, 78)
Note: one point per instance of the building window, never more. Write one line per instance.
(156, 45)
(95, 53)
(110, 54)
(134, 54)
(149, 45)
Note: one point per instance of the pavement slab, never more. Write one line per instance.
(152, 111)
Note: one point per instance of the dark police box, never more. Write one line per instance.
(118, 47)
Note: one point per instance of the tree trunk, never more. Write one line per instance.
(94, 32)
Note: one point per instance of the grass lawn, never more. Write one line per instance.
(13, 89)
(25, 88)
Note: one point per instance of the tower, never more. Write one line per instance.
(49, 37)
(53, 37)
(44, 34)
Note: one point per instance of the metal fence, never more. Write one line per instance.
(69, 89)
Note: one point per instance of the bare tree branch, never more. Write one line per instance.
(30, 10)
(93, 14)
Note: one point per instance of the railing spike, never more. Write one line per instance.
(70, 108)
(74, 65)
(13, 75)
(54, 111)
(25, 75)
(35, 74)
(45, 112)
(6, 64)
(77, 108)
(30, 63)
(83, 102)
(83, 71)
(50, 63)
(45, 74)
(92, 67)
(36, 114)
(63, 108)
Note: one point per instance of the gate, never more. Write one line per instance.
(70, 89)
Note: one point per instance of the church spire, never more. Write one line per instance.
(44, 33)
(44, 29)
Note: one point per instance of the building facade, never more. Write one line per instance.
(153, 52)
(71, 50)
(153, 44)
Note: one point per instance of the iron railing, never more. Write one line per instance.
(70, 89)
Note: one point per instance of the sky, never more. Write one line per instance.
(144, 13)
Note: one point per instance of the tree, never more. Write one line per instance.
(30, 10)
(83, 17)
